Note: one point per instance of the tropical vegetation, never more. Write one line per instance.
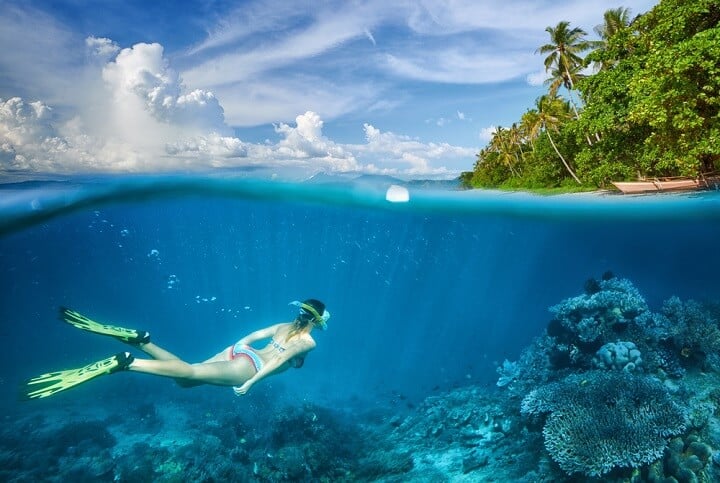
(641, 101)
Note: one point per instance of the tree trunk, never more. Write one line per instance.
(567, 166)
(572, 102)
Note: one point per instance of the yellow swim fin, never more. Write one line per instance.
(48, 384)
(131, 336)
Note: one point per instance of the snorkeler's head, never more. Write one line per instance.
(312, 311)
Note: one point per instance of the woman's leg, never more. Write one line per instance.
(157, 352)
(161, 354)
(226, 373)
(173, 370)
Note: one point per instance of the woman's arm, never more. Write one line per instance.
(297, 349)
(265, 333)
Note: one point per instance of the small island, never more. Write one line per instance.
(642, 103)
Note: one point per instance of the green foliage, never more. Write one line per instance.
(489, 171)
(652, 109)
(656, 109)
(538, 168)
(677, 95)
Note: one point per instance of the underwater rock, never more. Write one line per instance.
(474, 461)
(91, 435)
(456, 416)
(382, 464)
(290, 464)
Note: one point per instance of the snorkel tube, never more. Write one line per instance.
(306, 309)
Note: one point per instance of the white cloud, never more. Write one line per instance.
(136, 116)
(212, 149)
(142, 73)
(459, 66)
(102, 47)
(306, 141)
(537, 78)
(128, 110)
(22, 122)
(398, 151)
(487, 133)
(29, 141)
(327, 30)
(305, 146)
(250, 18)
(283, 98)
(440, 17)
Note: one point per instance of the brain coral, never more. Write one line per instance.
(602, 420)
(622, 355)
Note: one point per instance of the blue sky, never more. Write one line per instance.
(405, 88)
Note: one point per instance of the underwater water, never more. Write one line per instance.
(426, 296)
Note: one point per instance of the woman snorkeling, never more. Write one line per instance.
(240, 365)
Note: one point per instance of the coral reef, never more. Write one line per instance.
(691, 330)
(603, 420)
(611, 391)
(609, 385)
(621, 355)
(509, 371)
(594, 316)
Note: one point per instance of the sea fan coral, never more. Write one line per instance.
(603, 420)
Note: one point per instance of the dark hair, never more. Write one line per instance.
(301, 322)
(316, 304)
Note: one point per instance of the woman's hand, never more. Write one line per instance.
(242, 390)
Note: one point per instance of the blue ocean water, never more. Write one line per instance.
(425, 295)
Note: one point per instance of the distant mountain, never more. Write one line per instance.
(382, 180)
(444, 184)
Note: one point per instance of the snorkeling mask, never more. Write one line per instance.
(308, 312)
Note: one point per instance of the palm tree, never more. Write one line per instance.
(565, 48)
(566, 79)
(516, 138)
(550, 114)
(564, 61)
(500, 144)
(531, 126)
(616, 20)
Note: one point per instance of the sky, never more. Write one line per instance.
(404, 88)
